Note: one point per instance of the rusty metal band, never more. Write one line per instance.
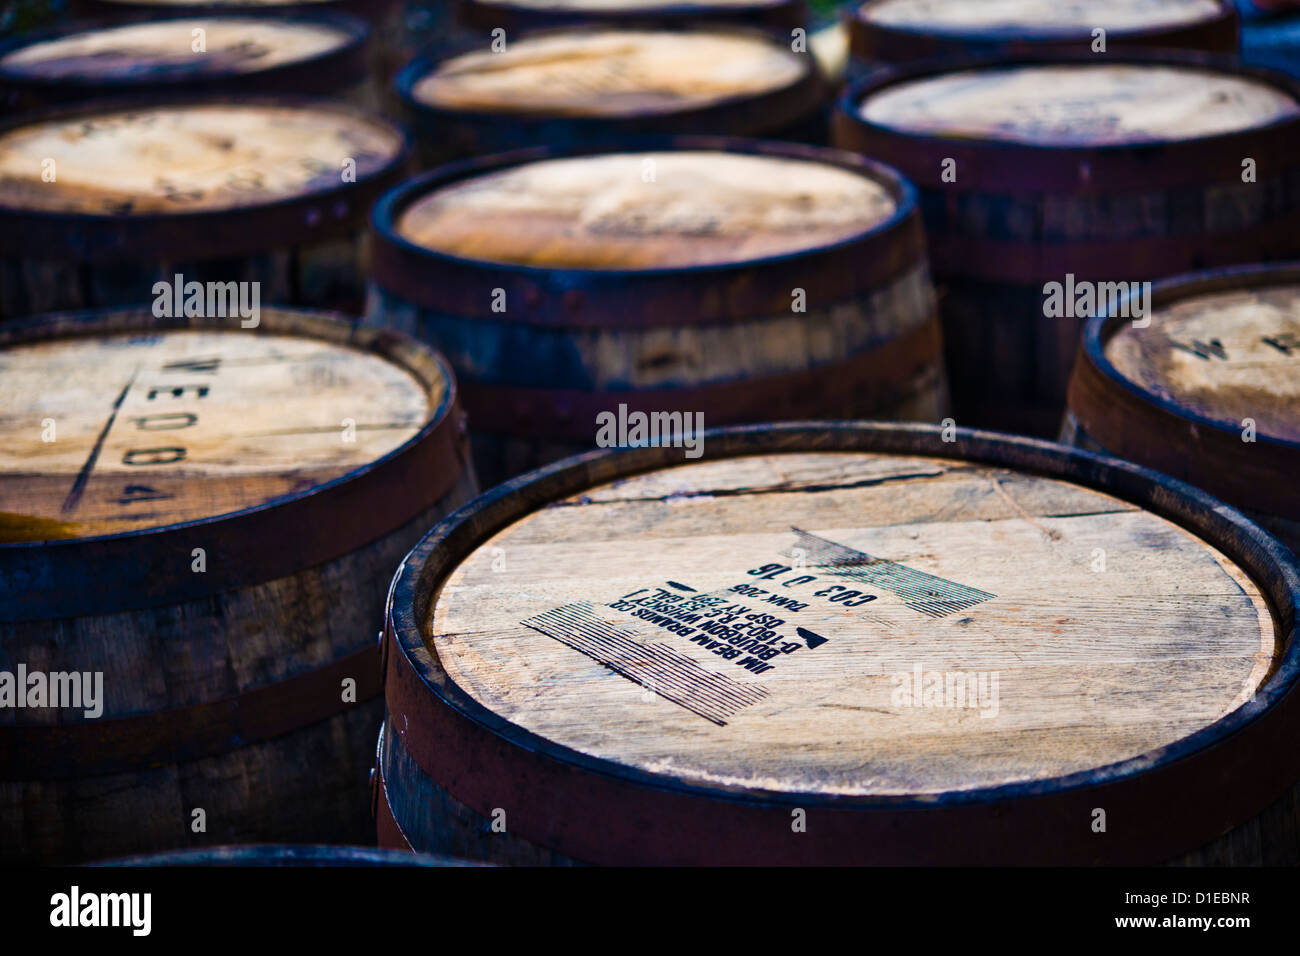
(389, 831)
(143, 741)
(862, 384)
(879, 43)
(993, 166)
(1160, 804)
(644, 298)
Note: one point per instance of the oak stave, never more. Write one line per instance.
(1138, 207)
(108, 244)
(647, 312)
(1189, 423)
(658, 785)
(221, 690)
(335, 66)
(446, 130)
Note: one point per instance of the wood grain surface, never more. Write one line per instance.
(186, 159)
(612, 73)
(1227, 356)
(1048, 16)
(157, 429)
(600, 212)
(161, 48)
(752, 622)
(1079, 104)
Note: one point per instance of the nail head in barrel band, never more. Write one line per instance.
(778, 16)
(740, 280)
(320, 55)
(1047, 169)
(207, 516)
(573, 84)
(1207, 391)
(903, 31)
(97, 204)
(844, 643)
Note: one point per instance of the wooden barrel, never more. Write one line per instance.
(98, 204)
(198, 523)
(735, 280)
(280, 855)
(844, 643)
(1046, 179)
(1206, 389)
(516, 16)
(905, 31)
(322, 55)
(576, 84)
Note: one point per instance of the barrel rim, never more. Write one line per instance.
(1138, 152)
(867, 34)
(1100, 328)
(513, 15)
(807, 87)
(1269, 564)
(370, 10)
(308, 217)
(286, 855)
(347, 58)
(317, 507)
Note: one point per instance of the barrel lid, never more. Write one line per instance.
(1206, 385)
(1098, 103)
(611, 72)
(128, 435)
(666, 209)
(94, 57)
(1030, 18)
(646, 231)
(838, 618)
(199, 178)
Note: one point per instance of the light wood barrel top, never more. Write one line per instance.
(157, 428)
(184, 159)
(870, 574)
(647, 210)
(1079, 104)
(612, 73)
(1226, 356)
(157, 48)
(1046, 16)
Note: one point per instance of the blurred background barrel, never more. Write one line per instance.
(1271, 37)
(695, 276)
(321, 55)
(573, 85)
(98, 204)
(1207, 391)
(279, 855)
(515, 16)
(1045, 180)
(202, 520)
(844, 644)
(904, 31)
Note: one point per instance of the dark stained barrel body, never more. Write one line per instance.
(517, 16)
(281, 855)
(728, 280)
(906, 31)
(1208, 391)
(99, 204)
(320, 55)
(202, 520)
(574, 85)
(844, 643)
(1053, 175)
